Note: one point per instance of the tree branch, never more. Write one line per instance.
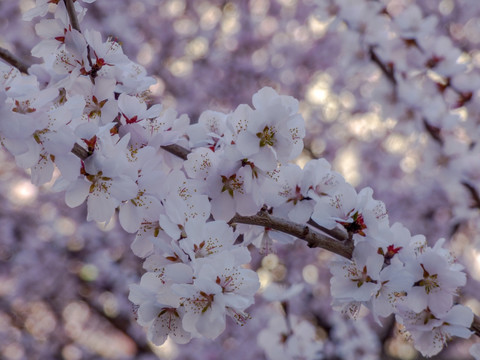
(120, 324)
(72, 14)
(476, 325)
(177, 150)
(336, 243)
(304, 232)
(434, 131)
(174, 149)
(80, 152)
(336, 233)
(13, 60)
(473, 193)
(388, 71)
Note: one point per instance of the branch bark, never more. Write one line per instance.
(336, 233)
(434, 131)
(473, 193)
(72, 14)
(385, 69)
(79, 151)
(13, 60)
(177, 150)
(304, 232)
(476, 325)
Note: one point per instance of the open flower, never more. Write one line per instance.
(358, 279)
(273, 132)
(159, 308)
(220, 287)
(436, 282)
(431, 333)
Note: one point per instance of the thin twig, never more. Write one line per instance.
(120, 323)
(177, 150)
(13, 60)
(386, 70)
(72, 14)
(476, 325)
(473, 193)
(174, 149)
(434, 131)
(336, 233)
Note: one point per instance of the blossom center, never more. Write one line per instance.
(429, 282)
(23, 107)
(356, 226)
(266, 136)
(360, 277)
(231, 184)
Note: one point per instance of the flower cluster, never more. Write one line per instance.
(84, 111)
(393, 272)
(290, 338)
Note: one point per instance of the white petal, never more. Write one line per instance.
(100, 208)
(129, 217)
(77, 194)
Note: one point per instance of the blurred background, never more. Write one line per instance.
(376, 107)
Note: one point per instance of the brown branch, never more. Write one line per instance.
(473, 193)
(388, 71)
(476, 325)
(303, 232)
(72, 14)
(174, 149)
(80, 152)
(121, 324)
(336, 243)
(177, 150)
(13, 60)
(336, 233)
(434, 131)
